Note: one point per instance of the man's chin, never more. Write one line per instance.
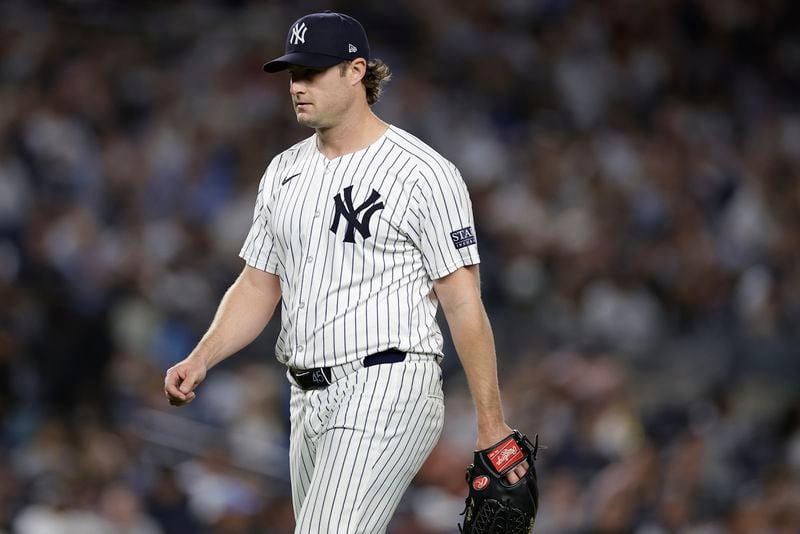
(305, 120)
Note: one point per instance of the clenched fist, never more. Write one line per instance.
(182, 379)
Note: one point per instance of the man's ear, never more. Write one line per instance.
(357, 70)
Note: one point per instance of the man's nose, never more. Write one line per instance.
(297, 87)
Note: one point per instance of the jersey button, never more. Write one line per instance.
(309, 259)
(301, 305)
(300, 348)
(316, 214)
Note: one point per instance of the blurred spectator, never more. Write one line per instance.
(168, 504)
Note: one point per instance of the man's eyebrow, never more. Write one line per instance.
(304, 69)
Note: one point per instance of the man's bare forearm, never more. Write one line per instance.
(242, 314)
(472, 335)
(460, 296)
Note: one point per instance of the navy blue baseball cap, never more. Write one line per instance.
(322, 40)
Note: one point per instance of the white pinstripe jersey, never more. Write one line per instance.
(357, 242)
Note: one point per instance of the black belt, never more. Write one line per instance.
(321, 377)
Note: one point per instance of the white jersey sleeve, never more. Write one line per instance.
(441, 222)
(259, 249)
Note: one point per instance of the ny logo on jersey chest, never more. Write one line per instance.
(345, 209)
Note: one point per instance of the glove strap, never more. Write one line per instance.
(533, 448)
(509, 452)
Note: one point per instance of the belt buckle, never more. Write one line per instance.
(317, 378)
(321, 377)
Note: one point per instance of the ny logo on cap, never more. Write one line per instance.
(346, 209)
(298, 34)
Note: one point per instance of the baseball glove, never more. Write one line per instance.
(493, 505)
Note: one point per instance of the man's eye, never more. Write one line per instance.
(305, 74)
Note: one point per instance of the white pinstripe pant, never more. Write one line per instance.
(356, 445)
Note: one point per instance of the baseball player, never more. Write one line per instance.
(360, 231)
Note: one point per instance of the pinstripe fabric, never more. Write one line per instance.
(356, 445)
(345, 300)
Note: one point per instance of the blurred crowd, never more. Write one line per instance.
(635, 173)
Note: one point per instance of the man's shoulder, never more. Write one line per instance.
(297, 149)
(425, 154)
(432, 167)
(284, 160)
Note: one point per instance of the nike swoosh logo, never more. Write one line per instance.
(286, 180)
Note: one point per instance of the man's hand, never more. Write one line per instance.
(489, 437)
(242, 314)
(182, 379)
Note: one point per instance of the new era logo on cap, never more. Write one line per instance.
(321, 40)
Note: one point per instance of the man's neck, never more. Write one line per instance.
(357, 131)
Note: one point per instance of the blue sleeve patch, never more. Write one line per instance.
(463, 238)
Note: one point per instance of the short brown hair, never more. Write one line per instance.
(377, 75)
